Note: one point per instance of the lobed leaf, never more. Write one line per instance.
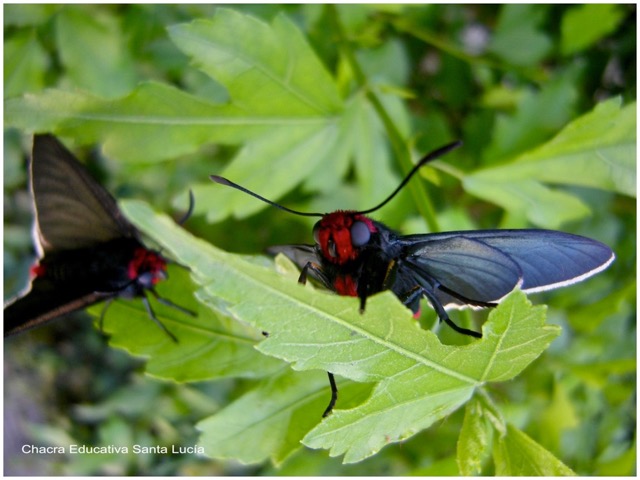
(584, 25)
(517, 38)
(268, 422)
(419, 380)
(474, 439)
(516, 454)
(154, 122)
(93, 51)
(24, 63)
(596, 150)
(267, 69)
(157, 121)
(284, 107)
(209, 344)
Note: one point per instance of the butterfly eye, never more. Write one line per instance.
(360, 234)
(146, 280)
(316, 232)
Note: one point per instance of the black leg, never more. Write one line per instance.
(411, 298)
(334, 395)
(104, 311)
(363, 302)
(442, 315)
(317, 273)
(464, 331)
(151, 314)
(169, 303)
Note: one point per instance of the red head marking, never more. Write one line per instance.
(335, 235)
(37, 270)
(147, 266)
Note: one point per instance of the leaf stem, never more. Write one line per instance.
(492, 412)
(398, 143)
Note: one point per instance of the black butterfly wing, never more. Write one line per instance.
(72, 210)
(74, 218)
(302, 255)
(460, 270)
(298, 254)
(485, 265)
(549, 259)
(45, 300)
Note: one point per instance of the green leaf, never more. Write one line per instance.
(362, 136)
(419, 379)
(154, 122)
(241, 52)
(24, 64)
(157, 121)
(622, 465)
(475, 439)
(290, 125)
(209, 345)
(584, 25)
(517, 38)
(93, 52)
(558, 417)
(596, 150)
(436, 379)
(516, 454)
(294, 88)
(271, 165)
(538, 115)
(587, 318)
(17, 15)
(269, 421)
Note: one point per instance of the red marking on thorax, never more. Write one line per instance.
(346, 285)
(147, 261)
(37, 270)
(335, 228)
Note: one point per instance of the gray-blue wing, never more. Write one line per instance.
(547, 259)
(299, 254)
(460, 270)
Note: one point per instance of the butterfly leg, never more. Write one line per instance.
(334, 395)
(443, 316)
(153, 317)
(169, 303)
(412, 299)
(104, 311)
(319, 274)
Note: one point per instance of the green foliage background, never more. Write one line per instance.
(321, 108)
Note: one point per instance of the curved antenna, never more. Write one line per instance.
(189, 211)
(229, 183)
(185, 217)
(426, 159)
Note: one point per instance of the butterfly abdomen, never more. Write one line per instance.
(103, 268)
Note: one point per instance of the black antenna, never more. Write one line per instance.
(189, 212)
(229, 183)
(426, 159)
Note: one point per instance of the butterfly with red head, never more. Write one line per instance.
(356, 256)
(88, 251)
